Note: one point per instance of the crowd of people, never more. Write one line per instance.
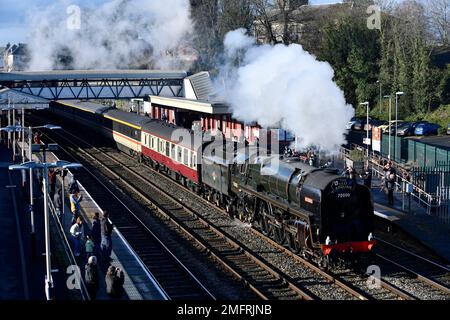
(94, 246)
(389, 179)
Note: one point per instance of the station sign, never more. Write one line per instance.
(367, 141)
(376, 139)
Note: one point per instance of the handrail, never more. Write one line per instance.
(69, 252)
(431, 201)
(65, 241)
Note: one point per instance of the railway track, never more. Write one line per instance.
(262, 279)
(236, 258)
(345, 281)
(426, 277)
(175, 278)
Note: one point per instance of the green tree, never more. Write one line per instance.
(354, 51)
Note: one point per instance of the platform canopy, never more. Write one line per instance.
(95, 84)
(11, 99)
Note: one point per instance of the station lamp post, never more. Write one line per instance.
(389, 124)
(30, 154)
(397, 94)
(12, 129)
(381, 97)
(45, 167)
(367, 126)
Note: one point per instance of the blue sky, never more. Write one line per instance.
(13, 25)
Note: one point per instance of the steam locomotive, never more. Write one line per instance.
(315, 212)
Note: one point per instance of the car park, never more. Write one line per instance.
(385, 127)
(408, 128)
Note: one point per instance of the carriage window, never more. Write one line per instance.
(153, 143)
(179, 154)
(194, 160)
(160, 146)
(186, 157)
(173, 152)
(168, 149)
(145, 139)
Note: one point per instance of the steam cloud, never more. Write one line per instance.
(116, 35)
(286, 87)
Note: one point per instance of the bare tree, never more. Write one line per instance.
(234, 14)
(438, 12)
(263, 11)
(274, 19)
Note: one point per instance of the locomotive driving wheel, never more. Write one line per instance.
(264, 213)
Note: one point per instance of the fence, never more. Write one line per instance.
(431, 185)
(436, 182)
(62, 242)
(415, 152)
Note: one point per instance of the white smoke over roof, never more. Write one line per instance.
(114, 35)
(285, 86)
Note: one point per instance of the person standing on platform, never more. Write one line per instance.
(76, 232)
(75, 208)
(367, 177)
(52, 180)
(96, 232)
(114, 280)
(37, 138)
(91, 277)
(350, 173)
(89, 246)
(390, 176)
(73, 185)
(106, 229)
(57, 201)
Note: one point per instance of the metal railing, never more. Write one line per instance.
(66, 243)
(68, 249)
(428, 200)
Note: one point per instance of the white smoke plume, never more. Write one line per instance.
(285, 87)
(117, 34)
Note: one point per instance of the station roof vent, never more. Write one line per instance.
(198, 86)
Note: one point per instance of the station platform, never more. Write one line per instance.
(414, 220)
(139, 282)
(14, 267)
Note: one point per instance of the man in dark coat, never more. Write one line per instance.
(96, 232)
(367, 177)
(390, 176)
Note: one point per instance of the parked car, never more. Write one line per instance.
(356, 123)
(385, 127)
(448, 128)
(427, 129)
(374, 123)
(408, 128)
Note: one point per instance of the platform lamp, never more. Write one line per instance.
(389, 124)
(397, 94)
(45, 167)
(367, 126)
(30, 154)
